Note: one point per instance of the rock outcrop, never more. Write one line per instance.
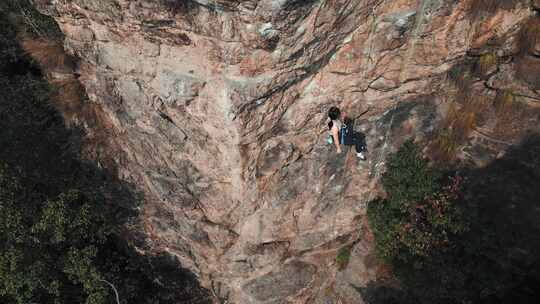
(216, 111)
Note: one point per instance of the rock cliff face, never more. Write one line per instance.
(216, 110)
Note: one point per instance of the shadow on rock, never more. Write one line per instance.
(498, 259)
(379, 293)
(67, 223)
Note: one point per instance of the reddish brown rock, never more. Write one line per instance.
(218, 112)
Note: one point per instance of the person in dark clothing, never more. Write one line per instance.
(342, 133)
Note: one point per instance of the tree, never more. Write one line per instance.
(61, 216)
(417, 222)
(461, 239)
(49, 245)
(419, 214)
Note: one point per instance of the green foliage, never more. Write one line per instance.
(48, 243)
(61, 216)
(29, 21)
(486, 63)
(343, 257)
(418, 218)
(408, 177)
(418, 215)
(461, 240)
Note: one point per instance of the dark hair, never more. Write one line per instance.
(330, 125)
(334, 113)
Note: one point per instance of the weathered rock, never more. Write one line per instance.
(528, 69)
(278, 285)
(216, 111)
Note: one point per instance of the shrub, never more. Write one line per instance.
(486, 63)
(61, 216)
(408, 177)
(343, 257)
(65, 229)
(461, 240)
(28, 21)
(416, 221)
(418, 216)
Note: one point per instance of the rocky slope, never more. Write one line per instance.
(216, 111)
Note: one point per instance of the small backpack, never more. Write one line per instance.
(346, 133)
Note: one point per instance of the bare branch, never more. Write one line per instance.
(114, 288)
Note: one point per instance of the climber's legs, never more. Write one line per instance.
(359, 142)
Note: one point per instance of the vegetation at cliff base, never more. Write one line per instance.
(61, 218)
(419, 215)
(460, 238)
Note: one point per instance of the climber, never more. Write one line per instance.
(342, 133)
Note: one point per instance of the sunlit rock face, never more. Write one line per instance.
(216, 112)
